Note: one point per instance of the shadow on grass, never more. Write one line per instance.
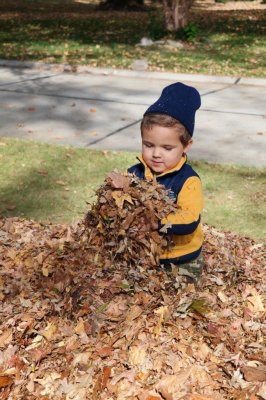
(238, 21)
(86, 24)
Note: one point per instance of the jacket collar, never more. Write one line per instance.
(150, 176)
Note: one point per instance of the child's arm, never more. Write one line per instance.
(189, 207)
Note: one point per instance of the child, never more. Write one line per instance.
(167, 129)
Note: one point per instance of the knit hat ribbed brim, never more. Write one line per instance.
(180, 102)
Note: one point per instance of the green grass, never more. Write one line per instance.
(228, 43)
(54, 183)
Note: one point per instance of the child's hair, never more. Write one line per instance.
(149, 120)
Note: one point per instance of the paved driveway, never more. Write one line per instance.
(102, 110)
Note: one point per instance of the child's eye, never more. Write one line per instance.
(148, 144)
(168, 148)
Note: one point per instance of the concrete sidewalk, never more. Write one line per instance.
(101, 109)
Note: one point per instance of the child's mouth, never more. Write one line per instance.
(156, 162)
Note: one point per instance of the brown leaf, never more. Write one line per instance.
(252, 374)
(105, 352)
(61, 183)
(5, 381)
(106, 375)
(120, 198)
(255, 302)
(42, 171)
(195, 396)
(80, 327)
(40, 353)
(118, 180)
(171, 385)
(6, 337)
(49, 331)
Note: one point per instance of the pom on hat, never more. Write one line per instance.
(180, 102)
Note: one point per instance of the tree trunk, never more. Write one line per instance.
(123, 4)
(176, 13)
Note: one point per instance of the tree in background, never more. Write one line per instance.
(176, 13)
(123, 4)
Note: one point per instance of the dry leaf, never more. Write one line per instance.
(5, 381)
(106, 375)
(118, 181)
(49, 331)
(163, 312)
(255, 302)
(45, 269)
(262, 391)
(120, 198)
(6, 337)
(42, 171)
(104, 296)
(80, 327)
(174, 386)
(254, 374)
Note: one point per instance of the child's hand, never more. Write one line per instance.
(154, 225)
(148, 224)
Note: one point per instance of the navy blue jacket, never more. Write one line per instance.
(184, 225)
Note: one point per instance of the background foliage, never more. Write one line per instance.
(216, 41)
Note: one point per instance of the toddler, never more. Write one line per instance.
(167, 129)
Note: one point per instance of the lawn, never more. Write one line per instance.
(216, 41)
(54, 184)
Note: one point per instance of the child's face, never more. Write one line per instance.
(161, 148)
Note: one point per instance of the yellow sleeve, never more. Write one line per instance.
(189, 207)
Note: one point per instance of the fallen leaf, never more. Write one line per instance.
(5, 381)
(59, 182)
(118, 180)
(120, 198)
(45, 270)
(254, 374)
(255, 302)
(262, 391)
(172, 385)
(106, 375)
(163, 312)
(105, 352)
(80, 327)
(6, 337)
(42, 171)
(195, 396)
(49, 331)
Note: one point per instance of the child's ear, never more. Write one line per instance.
(187, 147)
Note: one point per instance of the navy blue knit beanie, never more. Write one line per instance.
(180, 102)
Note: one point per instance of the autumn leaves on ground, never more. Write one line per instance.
(85, 313)
(220, 39)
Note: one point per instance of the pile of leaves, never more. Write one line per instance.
(72, 327)
(123, 223)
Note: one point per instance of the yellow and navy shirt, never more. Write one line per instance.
(184, 187)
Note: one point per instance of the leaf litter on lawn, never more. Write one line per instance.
(85, 312)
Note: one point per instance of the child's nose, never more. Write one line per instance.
(156, 152)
